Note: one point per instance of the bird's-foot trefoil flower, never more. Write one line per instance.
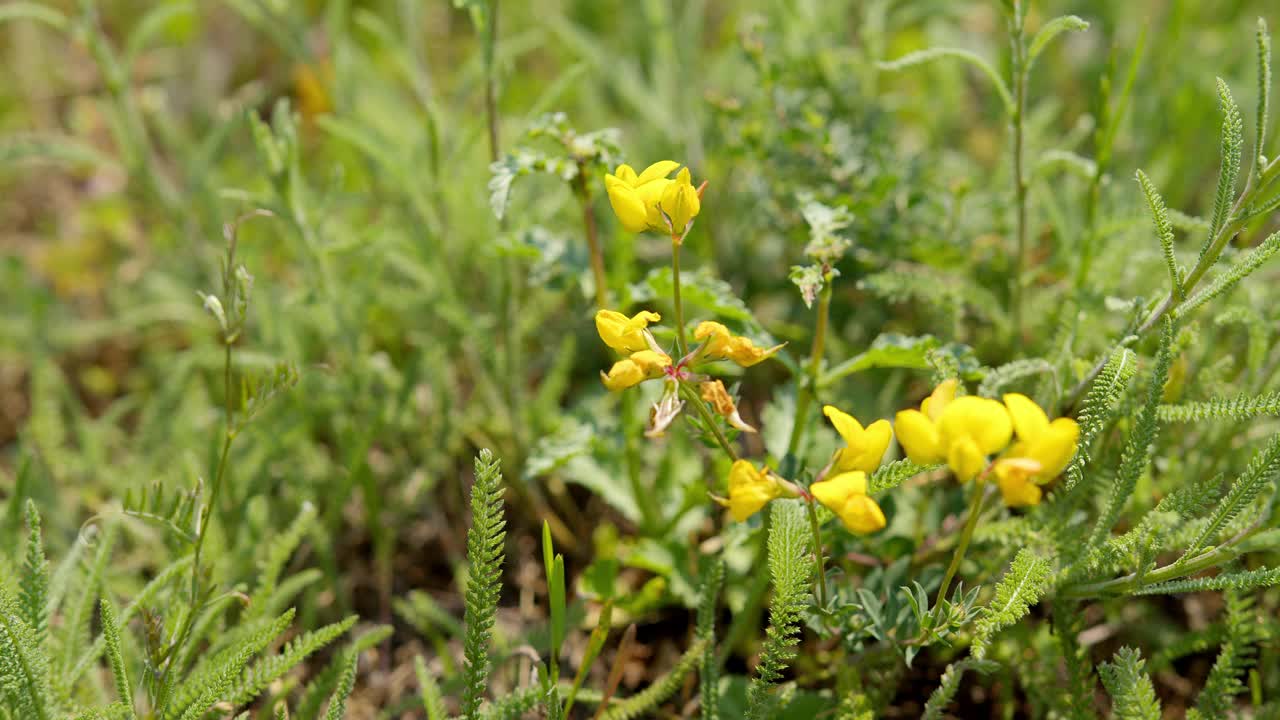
(635, 198)
(864, 447)
(751, 488)
(627, 334)
(720, 344)
(845, 494)
(635, 369)
(1042, 451)
(714, 392)
(962, 431)
(680, 204)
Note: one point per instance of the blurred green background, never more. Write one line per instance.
(424, 329)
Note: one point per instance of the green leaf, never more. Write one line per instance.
(1021, 587)
(889, 350)
(1132, 696)
(1051, 30)
(921, 57)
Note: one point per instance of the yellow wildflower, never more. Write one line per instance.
(714, 392)
(625, 334)
(917, 430)
(720, 344)
(750, 489)
(1041, 453)
(1014, 478)
(680, 203)
(962, 431)
(846, 496)
(1051, 444)
(635, 198)
(640, 366)
(864, 446)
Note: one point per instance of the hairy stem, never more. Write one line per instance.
(804, 394)
(681, 342)
(975, 509)
(817, 551)
(1019, 181)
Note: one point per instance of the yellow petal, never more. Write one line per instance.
(623, 374)
(847, 425)
(965, 459)
(650, 195)
(1029, 421)
(834, 490)
(622, 333)
(919, 437)
(744, 352)
(1018, 491)
(986, 422)
(1055, 448)
(625, 173)
(862, 515)
(866, 448)
(627, 204)
(657, 171)
(846, 496)
(680, 203)
(714, 392)
(651, 362)
(750, 489)
(939, 399)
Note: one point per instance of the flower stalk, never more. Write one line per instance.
(970, 523)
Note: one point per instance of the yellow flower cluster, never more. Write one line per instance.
(630, 336)
(1014, 441)
(653, 201)
(965, 432)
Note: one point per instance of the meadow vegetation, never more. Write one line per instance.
(636, 358)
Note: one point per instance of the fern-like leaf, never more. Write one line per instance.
(277, 554)
(1132, 696)
(34, 594)
(513, 706)
(1235, 657)
(942, 695)
(1230, 277)
(1138, 451)
(1264, 92)
(997, 379)
(324, 682)
(216, 679)
(1021, 587)
(1262, 577)
(338, 700)
(890, 476)
(268, 670)
(432, 700)
(484, 556)
(111, 633)
(1232, 141)
(643, 702)
(24, 669)
(1240, 407)
(790, 568)
(1096, 411)
(1259, 473)
(1164, 231)
(708, 602)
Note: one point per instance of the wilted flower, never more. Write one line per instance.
(714, 392)
(720, 344)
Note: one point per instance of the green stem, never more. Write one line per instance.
(681, 342)
(593, 242)
(975, 509)
(804, 394)
(817, 551)
(708, 419)
(1019, 181)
